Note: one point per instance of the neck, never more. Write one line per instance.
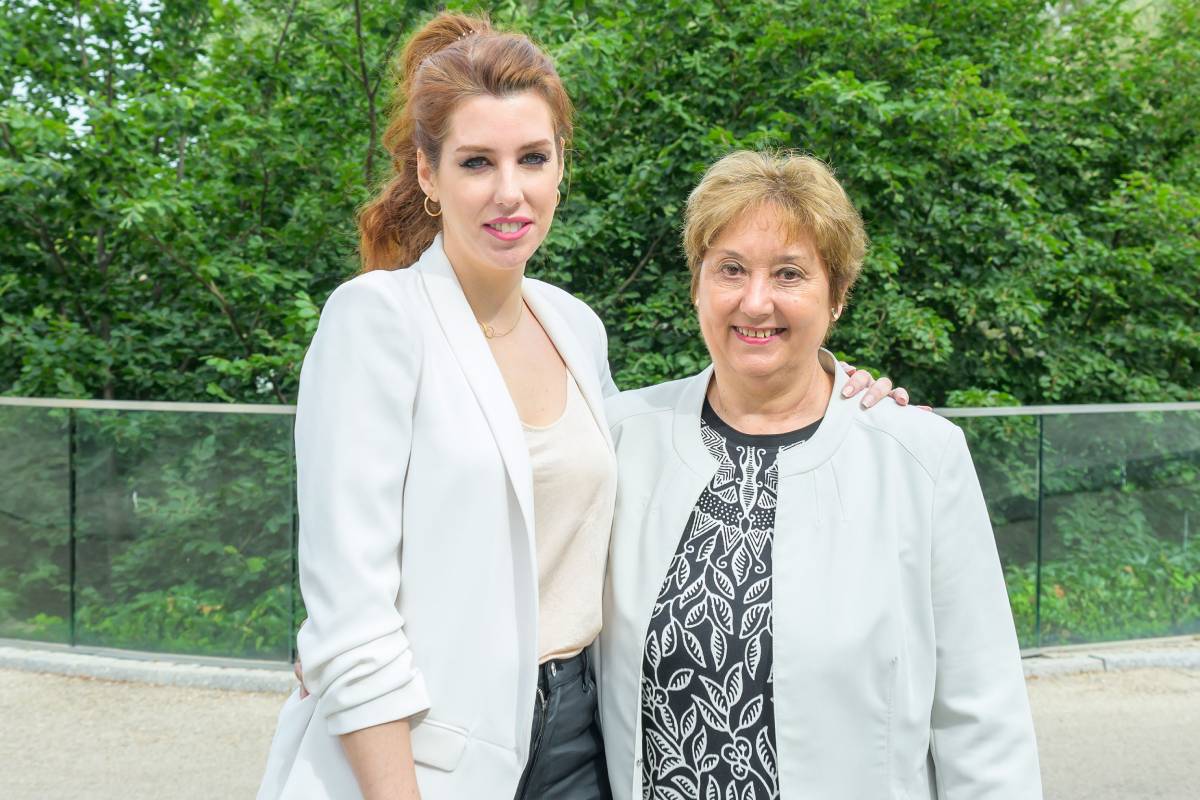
(493, 294)
(773, 404)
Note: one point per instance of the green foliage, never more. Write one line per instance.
(179, 181)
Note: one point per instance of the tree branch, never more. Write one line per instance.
(645, 260)
(83, 57)
(215, 291)
(365, 79)
(182, 150)
(287, 23)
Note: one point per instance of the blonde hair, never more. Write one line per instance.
(452, 58)
(802, 188)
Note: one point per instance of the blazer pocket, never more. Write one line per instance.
(438, 745)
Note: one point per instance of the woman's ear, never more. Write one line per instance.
(426, 176)
(562, 157)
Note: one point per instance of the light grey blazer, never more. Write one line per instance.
(897, 673)
(417, 559)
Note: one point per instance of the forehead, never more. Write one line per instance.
(764, 232)
(501, 122)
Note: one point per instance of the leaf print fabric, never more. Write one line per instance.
(707, 701)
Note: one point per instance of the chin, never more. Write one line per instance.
(511, 257)
(756, 369)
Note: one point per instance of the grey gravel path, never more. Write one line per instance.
(1130, 734)
(88, 739)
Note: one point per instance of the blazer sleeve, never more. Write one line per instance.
(608, 387)
(354, 421)
(982, 737)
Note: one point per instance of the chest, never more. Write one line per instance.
(533, 372)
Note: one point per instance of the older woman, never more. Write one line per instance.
(803, 599)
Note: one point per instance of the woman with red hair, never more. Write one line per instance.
(456, 476)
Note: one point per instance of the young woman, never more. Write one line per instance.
(456, 477)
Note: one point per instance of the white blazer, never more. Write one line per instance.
(897, 673)
(417, 560)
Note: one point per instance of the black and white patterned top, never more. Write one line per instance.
(707, 700)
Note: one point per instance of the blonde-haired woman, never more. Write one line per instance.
(803, 599)
(455, 472)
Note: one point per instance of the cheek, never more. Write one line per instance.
(712, 312)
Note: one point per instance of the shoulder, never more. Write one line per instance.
(645, 404)
(367, 290)
(371, 299)
(372, 310)
(922, 434)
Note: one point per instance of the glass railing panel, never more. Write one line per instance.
(1120, 556)
(184, 532)
(1005, 452)
(35, 524)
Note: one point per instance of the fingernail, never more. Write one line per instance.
(868, 402)
(847, 391)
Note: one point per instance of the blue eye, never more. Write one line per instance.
(474, 162)
(535, 159)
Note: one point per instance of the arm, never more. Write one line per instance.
(353, 434)
(608, 386)
(381, 757)
(981, 728)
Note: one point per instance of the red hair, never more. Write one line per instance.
(451, 59)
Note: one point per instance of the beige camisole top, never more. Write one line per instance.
(573, 476)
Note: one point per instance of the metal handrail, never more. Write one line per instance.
(265, 408)
(149, 405)
(1083, 408)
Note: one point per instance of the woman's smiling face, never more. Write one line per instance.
(496, 182)
(763, 298)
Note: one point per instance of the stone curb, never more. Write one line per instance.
(140, 670)
(1111, 661)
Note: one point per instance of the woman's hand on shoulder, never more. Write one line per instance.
(876, 389)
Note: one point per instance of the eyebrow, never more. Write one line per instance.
(779, 259)
(479, 148)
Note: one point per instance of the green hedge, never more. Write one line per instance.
(179, 182)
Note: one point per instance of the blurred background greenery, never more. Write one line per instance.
(178, 183)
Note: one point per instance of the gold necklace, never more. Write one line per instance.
(490, 332)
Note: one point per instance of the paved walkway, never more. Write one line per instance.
(1129, 734)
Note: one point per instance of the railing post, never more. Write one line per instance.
(71, 484)
(1037, 598)
(292, 579)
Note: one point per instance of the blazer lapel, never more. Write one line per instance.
(470, 348)
(578, 360)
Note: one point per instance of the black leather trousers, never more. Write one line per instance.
(566, 752)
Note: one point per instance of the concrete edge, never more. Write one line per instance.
(1107, 661)
(278, 680)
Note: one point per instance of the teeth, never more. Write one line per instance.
(507, 227)
(757, 333)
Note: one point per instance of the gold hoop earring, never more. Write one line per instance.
(425, 205)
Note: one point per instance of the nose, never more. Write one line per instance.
(508, 194)
(757, 301)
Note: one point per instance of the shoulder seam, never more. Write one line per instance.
(642, 413)
(884, 432)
